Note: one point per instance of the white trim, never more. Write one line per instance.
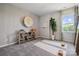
(7, 44)
(68, 31)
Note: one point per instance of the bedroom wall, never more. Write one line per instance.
(45, 30)
(10, 22)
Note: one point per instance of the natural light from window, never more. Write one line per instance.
(68, 23)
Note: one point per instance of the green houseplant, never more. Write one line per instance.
(53, 27)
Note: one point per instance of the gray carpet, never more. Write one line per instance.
(29, 49)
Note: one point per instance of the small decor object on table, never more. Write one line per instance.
(33, 31)
(60, 53)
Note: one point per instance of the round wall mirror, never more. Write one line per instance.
(28, 21)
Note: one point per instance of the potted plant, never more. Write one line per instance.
(53, 27)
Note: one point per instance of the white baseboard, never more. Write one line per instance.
(43, 37)
(7, 44)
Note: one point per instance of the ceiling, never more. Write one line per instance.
(43, 8)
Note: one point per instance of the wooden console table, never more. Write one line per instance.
(24, 36)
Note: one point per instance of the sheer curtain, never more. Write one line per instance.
(76, 24)
(67, 16)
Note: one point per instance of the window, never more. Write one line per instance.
(68, 23)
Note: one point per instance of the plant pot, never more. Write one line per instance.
(53, 37)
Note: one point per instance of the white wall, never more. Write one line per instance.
(45, 27)
(10, 22)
